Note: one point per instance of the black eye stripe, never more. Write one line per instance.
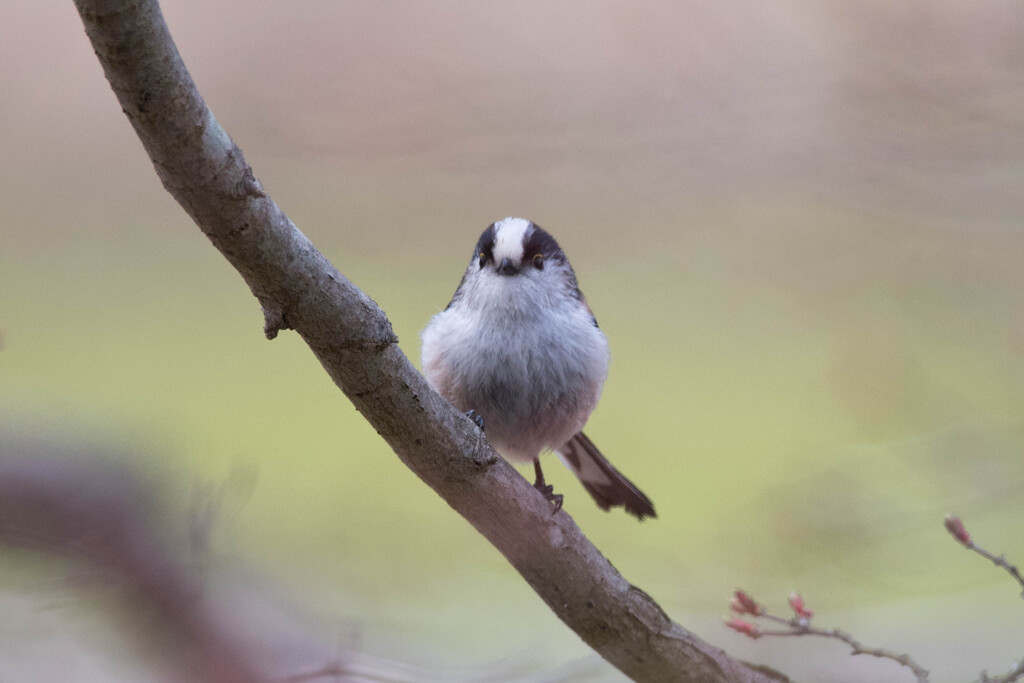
(484, 250)
(540, 242)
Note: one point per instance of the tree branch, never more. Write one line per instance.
(299, 289)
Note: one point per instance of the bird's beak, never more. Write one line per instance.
(506, 267)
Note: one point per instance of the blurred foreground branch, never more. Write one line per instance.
(299, 289)
(104, 515)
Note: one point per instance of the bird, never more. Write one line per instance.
(519, 350)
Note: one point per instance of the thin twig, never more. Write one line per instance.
(999, 561)
(1014, 674)
(800, 625)
(956, 529)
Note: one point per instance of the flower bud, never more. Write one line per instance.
(742, 603)
(796, 602)
(956, 528)
(744, 627)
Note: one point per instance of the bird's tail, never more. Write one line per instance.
(606, 485)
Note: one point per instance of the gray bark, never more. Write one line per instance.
(204, 170)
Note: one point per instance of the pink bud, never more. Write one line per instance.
(799, 608)
(956, 528)
(744, 627)
(742, 603)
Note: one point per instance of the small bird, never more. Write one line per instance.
(519, 350)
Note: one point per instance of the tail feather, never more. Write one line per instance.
(606, 485)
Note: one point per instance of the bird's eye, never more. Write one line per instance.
(483, 259)
(538, 261)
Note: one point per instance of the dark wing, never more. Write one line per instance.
(606, 485)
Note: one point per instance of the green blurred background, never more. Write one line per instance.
(799, 224)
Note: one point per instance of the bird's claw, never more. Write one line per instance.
(477, 418)
(549, 494)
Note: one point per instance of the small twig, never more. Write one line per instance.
(1014, 674)
(957, 530)
(800, 625)
(859, 648)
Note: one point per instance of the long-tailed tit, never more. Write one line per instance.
(519, 347)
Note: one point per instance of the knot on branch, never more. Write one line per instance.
(380, 339)
(248, 185)
(273, 320)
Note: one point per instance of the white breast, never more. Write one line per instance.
(527, 358)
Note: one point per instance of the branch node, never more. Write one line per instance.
(273, 320)
(250, 184)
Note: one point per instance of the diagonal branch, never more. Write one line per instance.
(204, 170)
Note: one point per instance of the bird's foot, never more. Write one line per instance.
(548, 491)
(477, 418)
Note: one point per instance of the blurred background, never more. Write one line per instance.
(799, 224)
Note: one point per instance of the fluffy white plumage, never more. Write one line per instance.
(518, 345)
(523, 351)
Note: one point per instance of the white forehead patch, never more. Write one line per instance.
(509, 235)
